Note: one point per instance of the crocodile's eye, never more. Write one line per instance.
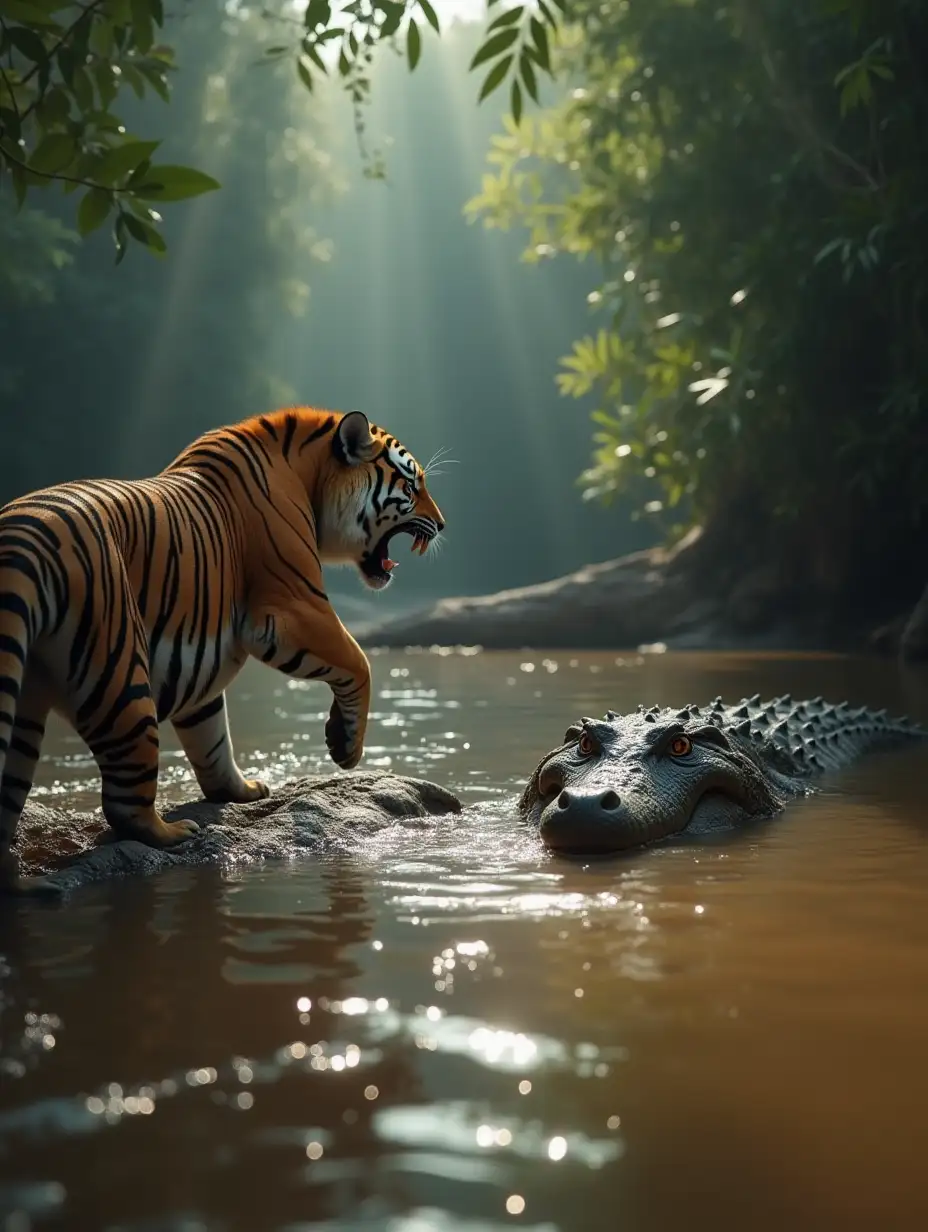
(586, 745)
(680, 746)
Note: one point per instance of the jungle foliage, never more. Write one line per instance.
(753, 178)
(66, 70)
(112, 369)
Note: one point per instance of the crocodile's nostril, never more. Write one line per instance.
(609, 800)
(564, 800)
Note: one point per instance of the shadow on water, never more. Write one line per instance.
(454, 1030)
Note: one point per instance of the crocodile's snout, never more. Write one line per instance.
(586, 821)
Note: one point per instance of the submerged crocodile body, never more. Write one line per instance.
(627, 780)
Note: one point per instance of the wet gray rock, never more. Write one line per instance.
(69, 850)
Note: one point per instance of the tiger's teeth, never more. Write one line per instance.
(389, 565)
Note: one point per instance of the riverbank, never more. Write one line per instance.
(674, 596)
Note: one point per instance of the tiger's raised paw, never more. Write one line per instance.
(336, 741)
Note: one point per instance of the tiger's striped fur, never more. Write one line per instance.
(124, 604)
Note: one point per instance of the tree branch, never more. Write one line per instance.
(54, 175)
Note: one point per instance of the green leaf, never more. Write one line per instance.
(67, 64)
(120, 160)
(9, 123)
(157, 80)
(413, 45)
(304, 73)
(430, 15)
(27, 42)
(316, 58)
(492, 47)
(495, 76)
(94, 207)
(318, 13)
(119, 237)
(134, 79)
(170, 183)
(54, 108)
(506, 19)
(393, 16)
(143, 26)
(102, 38)
(540, 37)
(20, 187)
(82, 89)
(107, 83)
(528, 75)
(53, 154)
(515, 100)
(28, 14)
(146, 234)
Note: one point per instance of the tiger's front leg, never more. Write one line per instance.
(311, 643)
(204, 735)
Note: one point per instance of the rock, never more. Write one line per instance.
(71, 850)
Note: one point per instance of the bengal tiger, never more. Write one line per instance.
(125, 604)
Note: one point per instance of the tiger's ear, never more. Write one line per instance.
(354, 443)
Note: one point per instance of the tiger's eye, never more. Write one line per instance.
(680, 746)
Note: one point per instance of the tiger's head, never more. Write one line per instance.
(375, 491)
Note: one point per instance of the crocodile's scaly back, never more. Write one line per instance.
(630, 779)
(802, 738)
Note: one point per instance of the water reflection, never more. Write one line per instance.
(450, 1029)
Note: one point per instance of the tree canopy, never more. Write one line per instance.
(65, 69)
(752, 179)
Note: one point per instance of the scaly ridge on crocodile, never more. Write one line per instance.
(627, 780)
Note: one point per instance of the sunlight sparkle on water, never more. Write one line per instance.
(557, 1148)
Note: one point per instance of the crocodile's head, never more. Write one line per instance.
(627, 780)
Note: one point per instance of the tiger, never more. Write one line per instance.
(125, 604)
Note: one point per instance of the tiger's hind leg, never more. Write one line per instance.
(125, 747)
(18, 773)
(204, 735)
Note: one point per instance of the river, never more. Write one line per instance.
(456, 1032)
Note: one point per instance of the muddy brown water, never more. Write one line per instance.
(457, 1032)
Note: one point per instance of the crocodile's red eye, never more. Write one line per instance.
(680, 746)
(585, 744)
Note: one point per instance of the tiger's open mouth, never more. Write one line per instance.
(376, 566)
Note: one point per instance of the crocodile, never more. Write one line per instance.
(628, 780)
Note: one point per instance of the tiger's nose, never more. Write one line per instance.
(439, 525)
